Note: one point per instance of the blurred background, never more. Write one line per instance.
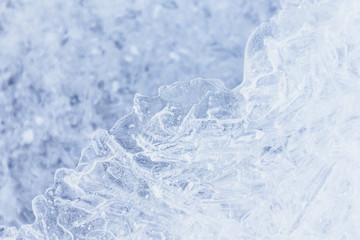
(68, 68)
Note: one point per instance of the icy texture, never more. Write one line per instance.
(68, 68)
(275, 158)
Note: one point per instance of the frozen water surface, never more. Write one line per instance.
(274, 158)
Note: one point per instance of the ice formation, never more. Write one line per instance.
(274, 158)
(71, 67)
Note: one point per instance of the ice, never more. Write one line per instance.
(69, 68)
(274, 158)
(28, 136)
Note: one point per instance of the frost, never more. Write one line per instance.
(274, 158)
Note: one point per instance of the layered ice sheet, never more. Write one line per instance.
(275, 158)
(68, 68)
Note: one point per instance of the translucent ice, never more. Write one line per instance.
(68, 68)
(274, 158)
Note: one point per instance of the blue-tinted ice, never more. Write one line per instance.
(71, 67)
(274, 158)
